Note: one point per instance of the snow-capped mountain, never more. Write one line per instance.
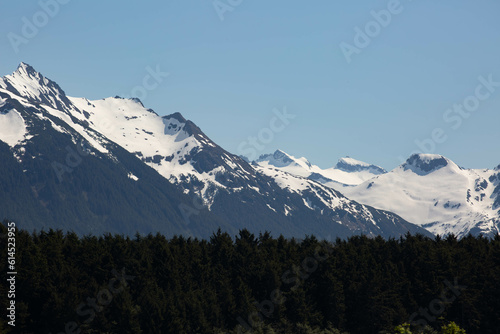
(57, 172)
(113, 154)
(347, 172)
(433, 192)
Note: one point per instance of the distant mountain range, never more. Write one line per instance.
(428, 190)
(112, 165)
(347, 172)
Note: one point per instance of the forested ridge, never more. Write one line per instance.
(243, 283)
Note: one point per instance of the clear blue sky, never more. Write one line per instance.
(227, 76)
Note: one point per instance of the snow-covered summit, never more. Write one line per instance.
(34, 87)
(282, 159)
(352, 162)
(349, 164)
(423, 164)
(26, 70)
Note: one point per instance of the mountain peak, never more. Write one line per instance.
(176, 115)
(24, 74)
(349, 164)
(279, 158)
(423, 164)
(353, 162)
(137, 100)
(27, 75)
(25, 69)
(279, 154)
(177, 121)
(27, 83)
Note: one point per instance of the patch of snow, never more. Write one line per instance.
(12, 128)
(270, 207)
(132, 176)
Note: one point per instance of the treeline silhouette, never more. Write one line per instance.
(151, 284)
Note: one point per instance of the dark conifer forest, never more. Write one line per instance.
(252, 284)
